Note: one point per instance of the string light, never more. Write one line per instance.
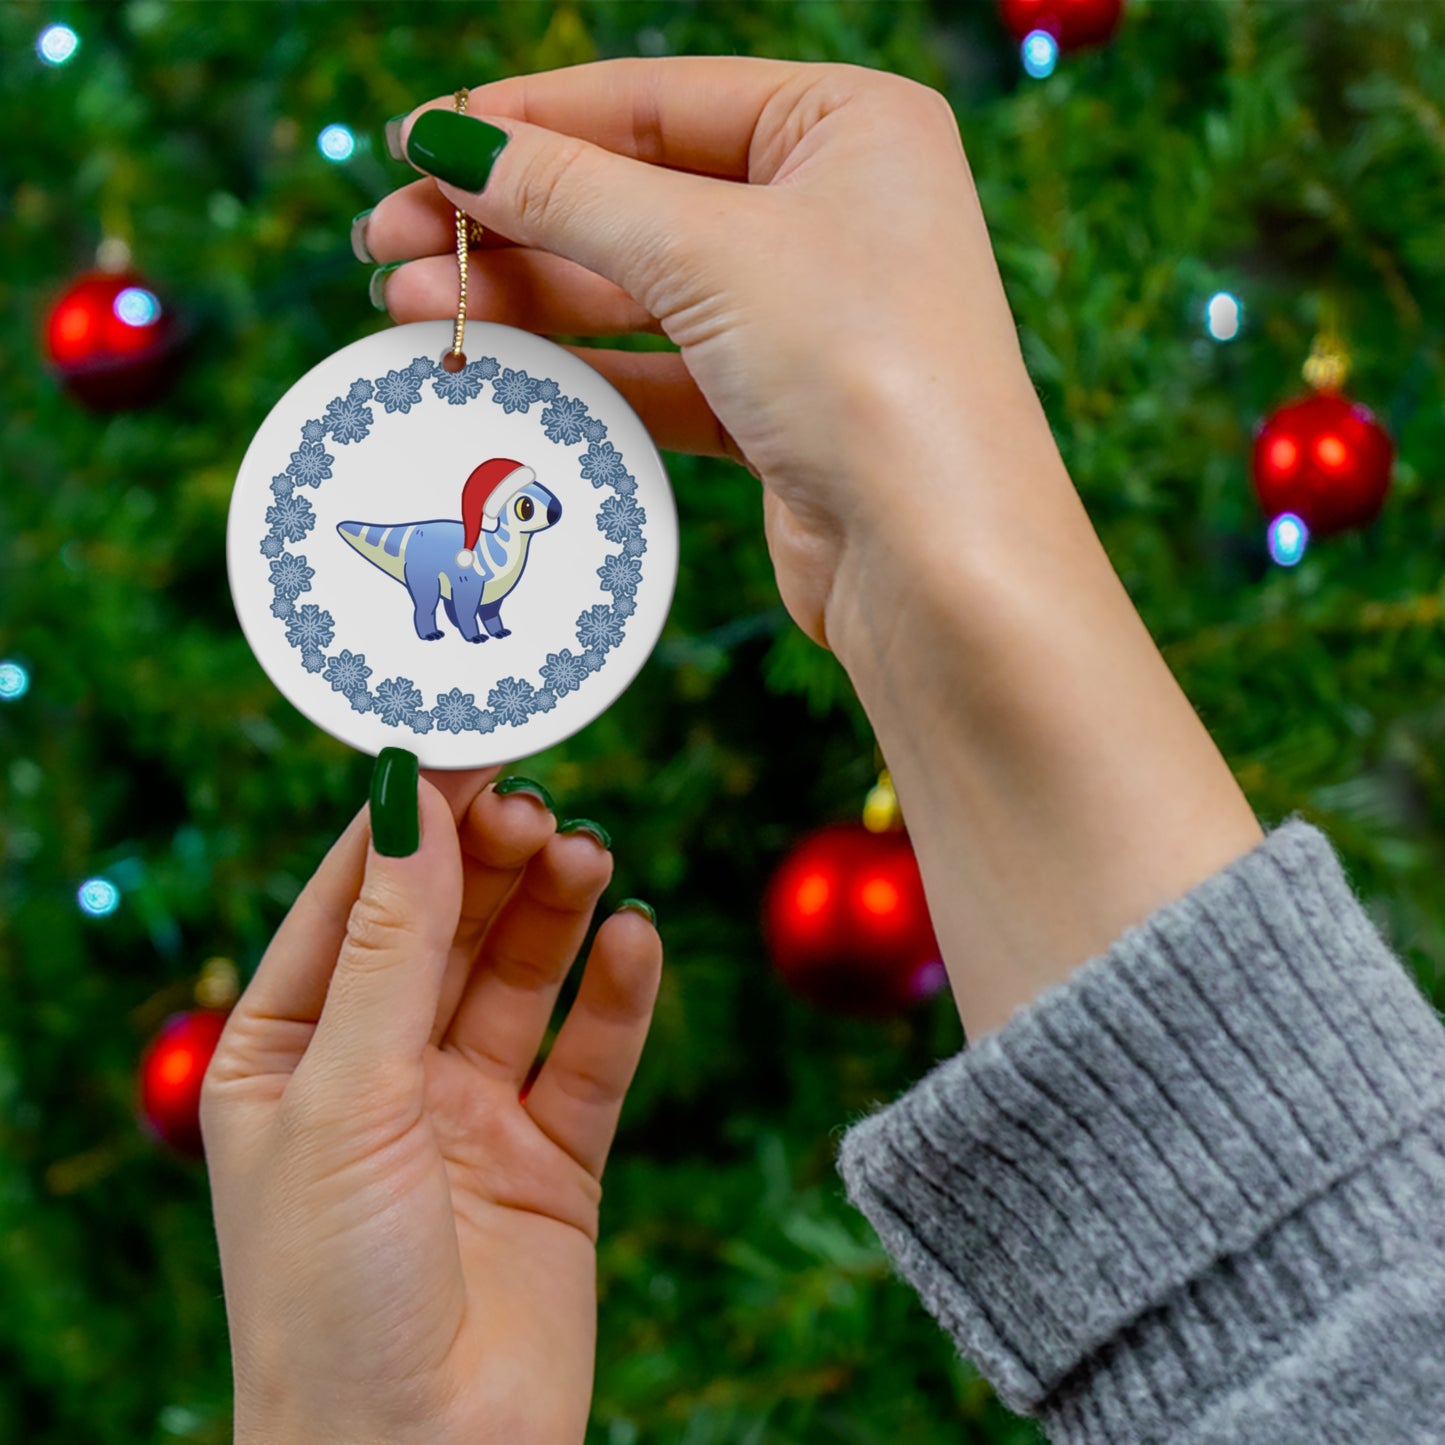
(1040, 53)
(14, 681)
(57, 44)
(1223, 316)
(98, 897)
(137, 307)
(1288, 537)
(336, 143)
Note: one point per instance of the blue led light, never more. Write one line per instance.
(57, 44)
(1040, 52)
(137, 307)
(98, 897)
(1288, 538)
(336, 143)
(1223, 316)
(14, 681)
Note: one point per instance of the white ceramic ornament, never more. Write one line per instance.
(472, 565)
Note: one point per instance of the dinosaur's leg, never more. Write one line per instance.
(451, 612)
(462, 608)
(426, 591)
(491, 614)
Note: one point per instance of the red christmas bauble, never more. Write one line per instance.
(112, 341)
(171, 1071)
(1324, 458)
(1073, 23)
(847, 923)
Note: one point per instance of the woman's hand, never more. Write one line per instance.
(407, 1246)
(842, 301)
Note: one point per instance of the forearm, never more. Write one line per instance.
(1056, 782)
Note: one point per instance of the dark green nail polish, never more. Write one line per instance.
(526, 785)
(393, 136)
(395, 820)
(376, 287)
(455, 148)
(359, 248)
(586, 825)
(636, 905)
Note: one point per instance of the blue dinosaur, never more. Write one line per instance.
(431, 561)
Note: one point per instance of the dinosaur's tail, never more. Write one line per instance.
(383, 546)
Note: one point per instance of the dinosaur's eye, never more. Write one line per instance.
(525, 508)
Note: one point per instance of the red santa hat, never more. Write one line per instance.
(489, 488)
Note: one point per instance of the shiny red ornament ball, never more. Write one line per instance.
(171, 1071)
(1324, 458)
(847, 923)
(112, 341)
(1073, 23)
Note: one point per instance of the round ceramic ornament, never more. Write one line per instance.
(471, 564)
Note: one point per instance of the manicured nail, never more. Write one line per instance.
(359, 248)
(395, 821)
(526, 785)
(455, 148)
(376, 288)
(393, 136)
(586, 825)
(636, 905)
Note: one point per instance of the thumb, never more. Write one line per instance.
(382, 1000)
(633, 223)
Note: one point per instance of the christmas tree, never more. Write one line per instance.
(1212, 162)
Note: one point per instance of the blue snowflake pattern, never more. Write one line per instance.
(282, 486)
(290, 576)
(283, 607)
(487, 367)
(312, 659)
(420, 722)
(311, 464)
(563, 672)
(313, 431)
(602, 465)
(564, 419)
(625, 485)
(545, 700)
(547, 389)
(635, 545)
(311, 627)
(396, 698)
(348, 421)
(625, 606)
(593, 430)
(422, 367)
(271, 544)
(619, 517)
(456, 388)
(292, 518)
(398, 391)
(514, 391)
(620, 575)
(456, 711)
(360, 700)
(512, 700)
(486, 722)
(361, 390)
(347, 671)
(592, 660)
(598, 628)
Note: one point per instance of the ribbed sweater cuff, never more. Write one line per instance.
(1134, 1153)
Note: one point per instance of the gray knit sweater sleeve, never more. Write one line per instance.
(1197, 1191)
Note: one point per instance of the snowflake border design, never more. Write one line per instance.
(348, 419)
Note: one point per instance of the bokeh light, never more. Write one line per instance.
(14, 681)
(336, 143)
(1223, 316)
(57, 44)
(1040, 52)
(1288, 538)
(98, 897)
(137, 307)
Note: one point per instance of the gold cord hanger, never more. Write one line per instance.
(469, 233)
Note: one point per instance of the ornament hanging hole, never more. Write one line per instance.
(453, 361)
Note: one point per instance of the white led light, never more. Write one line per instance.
(14, 681)
(57, 44)
(98, 897)
(1288, 537)
(137, 307)
(1040, 52)
(1223, 316)
(336, 143)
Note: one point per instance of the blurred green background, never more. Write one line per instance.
(1292, 154)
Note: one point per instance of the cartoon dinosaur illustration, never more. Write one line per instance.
(472, 565)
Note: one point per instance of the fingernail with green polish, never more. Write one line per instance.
(393, 136)
(526, 785)
(455, 148)
(586, 825)
(359, 248)
(376, 287)
(395, 821)
(636, 905)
